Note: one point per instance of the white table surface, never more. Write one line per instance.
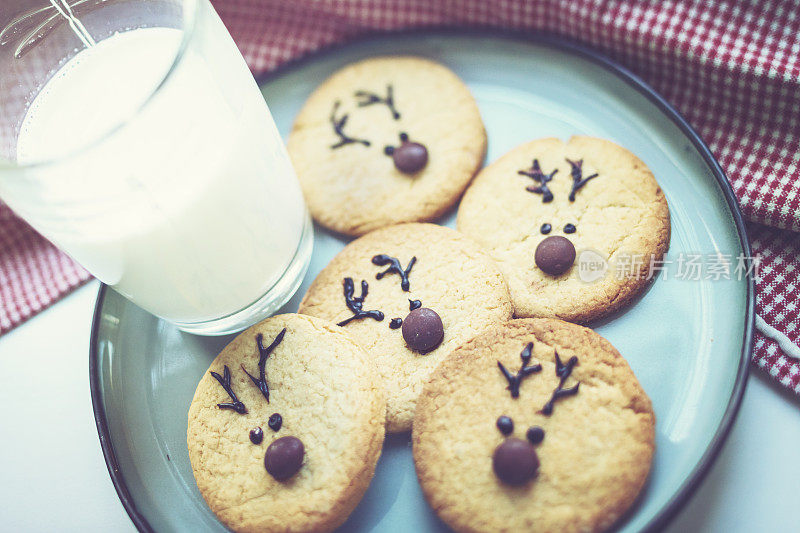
(54, 477)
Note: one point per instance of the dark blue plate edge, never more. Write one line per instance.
(684, 492)
(101, 421)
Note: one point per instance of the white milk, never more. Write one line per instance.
(191, 208)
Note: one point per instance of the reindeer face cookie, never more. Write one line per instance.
(535, 424)
(286, 427)
(575, 227)
(386, 140)
(409, 294)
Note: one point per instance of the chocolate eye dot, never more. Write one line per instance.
(505, 425)
(570, 228)
(275, 422)
(389, 150)
(546, 228)
(256, 435)
(535, 434)
(404, 137)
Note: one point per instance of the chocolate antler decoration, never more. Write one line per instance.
(540, 177)
(338, 128)
(563, 371)
(235, 404)
(577, 180)
(394, 268)
(368, 98)
(356, 304)
(514, 380)
(263, 353)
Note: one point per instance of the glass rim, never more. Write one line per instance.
(187, 29)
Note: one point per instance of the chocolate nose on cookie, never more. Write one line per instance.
(423, 329)
(515, 461)
(410, 157)
(555, 255)
(284, 457)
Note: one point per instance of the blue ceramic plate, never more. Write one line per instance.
(687, 341)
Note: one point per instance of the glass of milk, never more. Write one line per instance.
(134, 137)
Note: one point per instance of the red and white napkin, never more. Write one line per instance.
(732, 68)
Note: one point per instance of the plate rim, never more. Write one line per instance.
(564, 44)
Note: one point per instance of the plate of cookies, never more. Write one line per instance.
(528, 309)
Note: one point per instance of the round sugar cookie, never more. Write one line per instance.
(292, 447)
(386, 140)
(409, 294)
(533, 425)
(578, 228)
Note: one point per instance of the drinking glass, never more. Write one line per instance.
(133, 136)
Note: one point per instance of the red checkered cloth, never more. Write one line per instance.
(33, 272)
(732, 68)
